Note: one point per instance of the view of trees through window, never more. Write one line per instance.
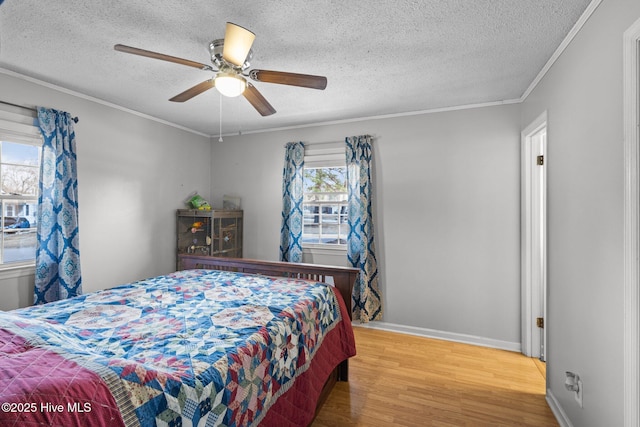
(325, 206)
(19, 176)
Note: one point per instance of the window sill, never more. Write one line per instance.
(14, 271)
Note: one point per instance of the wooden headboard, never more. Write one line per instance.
(344, 278)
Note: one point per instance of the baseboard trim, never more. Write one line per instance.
(560, 415)
(442, 335)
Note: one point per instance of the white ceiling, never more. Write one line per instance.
(380, 57)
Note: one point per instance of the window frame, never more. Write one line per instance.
(324, 155)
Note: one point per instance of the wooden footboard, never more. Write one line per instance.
(343, 277)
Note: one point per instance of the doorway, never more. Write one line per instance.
(534, 238)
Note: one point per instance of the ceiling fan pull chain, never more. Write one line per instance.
(220, 138)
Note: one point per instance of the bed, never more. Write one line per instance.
(231, 342)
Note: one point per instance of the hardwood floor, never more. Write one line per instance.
(404, 380)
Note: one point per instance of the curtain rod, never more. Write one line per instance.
(75, 119)
(320, 143)
(327, 142)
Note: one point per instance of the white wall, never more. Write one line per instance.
(446, 211)
(583, 96)
(132, 174)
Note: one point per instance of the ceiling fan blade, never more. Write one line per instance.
(292, 79)
(258, 101)
(161, 56)
(237, 44)
(191, 92)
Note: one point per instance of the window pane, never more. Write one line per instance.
(20, 154)
(19, 245)
(20, 180)
(20, 213)
(310, 213)
(311, 233)
(325, 180)
(330, 233)
(19, 232)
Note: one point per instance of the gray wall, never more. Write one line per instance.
(446, 208)
(583, 96)
(133, 173)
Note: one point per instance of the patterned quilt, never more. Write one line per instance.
(193, 348)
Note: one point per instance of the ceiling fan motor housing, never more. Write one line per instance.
(215, 50)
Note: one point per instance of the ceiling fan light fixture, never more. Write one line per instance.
(230, 84)
(237, 44)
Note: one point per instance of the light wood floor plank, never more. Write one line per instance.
(403, 380)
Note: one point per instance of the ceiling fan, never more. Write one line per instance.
(230, 57)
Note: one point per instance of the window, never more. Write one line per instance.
(325, 196)
(325, 206)
(19, 175)
(20, 146)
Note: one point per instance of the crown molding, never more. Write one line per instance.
(96, 100)
(565, 43)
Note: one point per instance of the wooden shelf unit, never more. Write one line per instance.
(209, 233)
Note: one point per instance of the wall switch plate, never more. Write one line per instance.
(578, 393)
(573, 383)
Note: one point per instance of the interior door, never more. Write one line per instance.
(539, 240)
(534, 237)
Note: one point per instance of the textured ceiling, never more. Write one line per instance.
(380, 57)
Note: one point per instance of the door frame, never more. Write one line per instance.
(631, 113)
(530, 295)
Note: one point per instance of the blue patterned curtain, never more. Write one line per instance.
(58, 255)
(292, 195)
(367, 304)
